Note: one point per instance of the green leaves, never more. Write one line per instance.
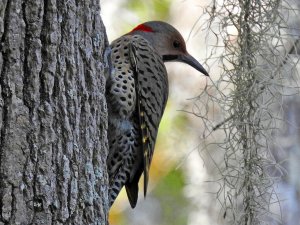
(149, 10)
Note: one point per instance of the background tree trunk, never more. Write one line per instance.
(53, 116)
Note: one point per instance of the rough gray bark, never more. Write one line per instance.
(53, 116)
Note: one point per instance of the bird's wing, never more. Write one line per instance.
(151, 86)
(141, 114)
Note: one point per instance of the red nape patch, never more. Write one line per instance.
(142, 27)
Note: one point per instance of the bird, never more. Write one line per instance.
(137, 92)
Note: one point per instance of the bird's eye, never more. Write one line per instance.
(176, 44)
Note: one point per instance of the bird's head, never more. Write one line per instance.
(168, 42)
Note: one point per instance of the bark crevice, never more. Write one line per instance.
(4, 98)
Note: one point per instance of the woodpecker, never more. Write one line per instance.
(137, 92)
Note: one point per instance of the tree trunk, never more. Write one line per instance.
(53, 117)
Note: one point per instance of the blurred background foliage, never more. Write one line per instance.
(159, 9)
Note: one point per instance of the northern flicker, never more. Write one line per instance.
(137, 92)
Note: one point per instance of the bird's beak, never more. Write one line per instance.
(188, 59)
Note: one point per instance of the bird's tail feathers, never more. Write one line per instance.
(132, 190)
